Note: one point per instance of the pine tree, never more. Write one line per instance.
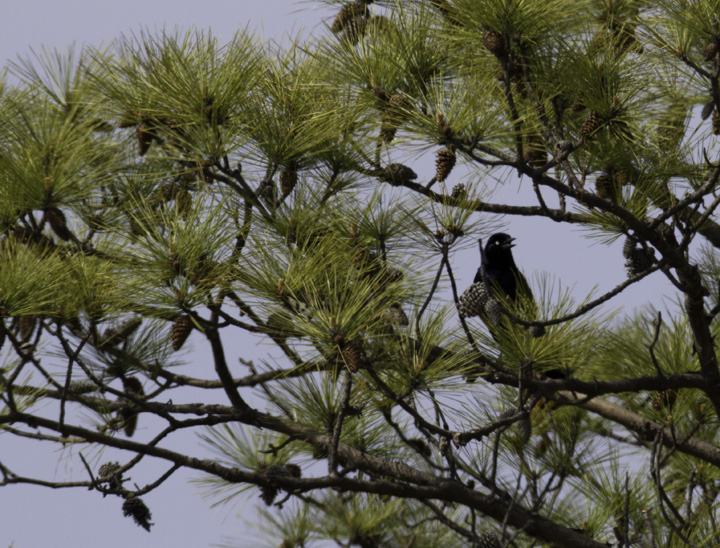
(156, 194)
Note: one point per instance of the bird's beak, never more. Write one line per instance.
(509, 244)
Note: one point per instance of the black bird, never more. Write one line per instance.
(499, 272)
(497, 279)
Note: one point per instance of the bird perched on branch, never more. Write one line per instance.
(497, 279)
(498, 268)
(499, 286)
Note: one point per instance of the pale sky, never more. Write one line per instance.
(36, 517)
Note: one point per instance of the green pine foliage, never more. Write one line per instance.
(279, 204)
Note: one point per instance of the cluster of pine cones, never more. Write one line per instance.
(638, 258)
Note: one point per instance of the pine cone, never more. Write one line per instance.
(288, 180)
(459, 192)
(26, 327)
(711, 49)
(128, 414)
(134, 507)
(624, 39)
(421, 446)
(145, 136)
(444, 163)
(577, 106)
(472, 302)
(354, 356)
(629, 246)
(639, 261)
(605, 188)
(591, 125)
(395, 316)
(109, 471)
(82, 387)
(57, 221)
(268, 494)
(397, 174)
(707, 110)
(181, 329)
(489, 540)
(398, 105)
(716, 123)
(284, 470)
(664, 400)
(133, 386)
(293, 470)
(495, 43)
(536, 331)
(525, 428)
(346, 14)
(388, 128)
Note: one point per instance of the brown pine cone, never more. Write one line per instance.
(605, 188)
(109, 471)
(397, 174)
(495, 43)
(347, 13)
(135, 507)
(288, 180)
(181, 329)
(577, 106)
(354, 356)
(591, 125)
(444, 163)
(711, 49)
(639, 261)
(459, 192)
(145, 136)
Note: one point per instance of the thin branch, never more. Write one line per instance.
(442, 518)
(428, 299)
(337, 428)
(651, 347)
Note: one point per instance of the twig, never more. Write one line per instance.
(453, 285)
(332, 454)
(626, 512)
(429, 297)
(385, 389)
(442, 518)
(663, 498)
(68, 376)
(657, 322)
(589, 306)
